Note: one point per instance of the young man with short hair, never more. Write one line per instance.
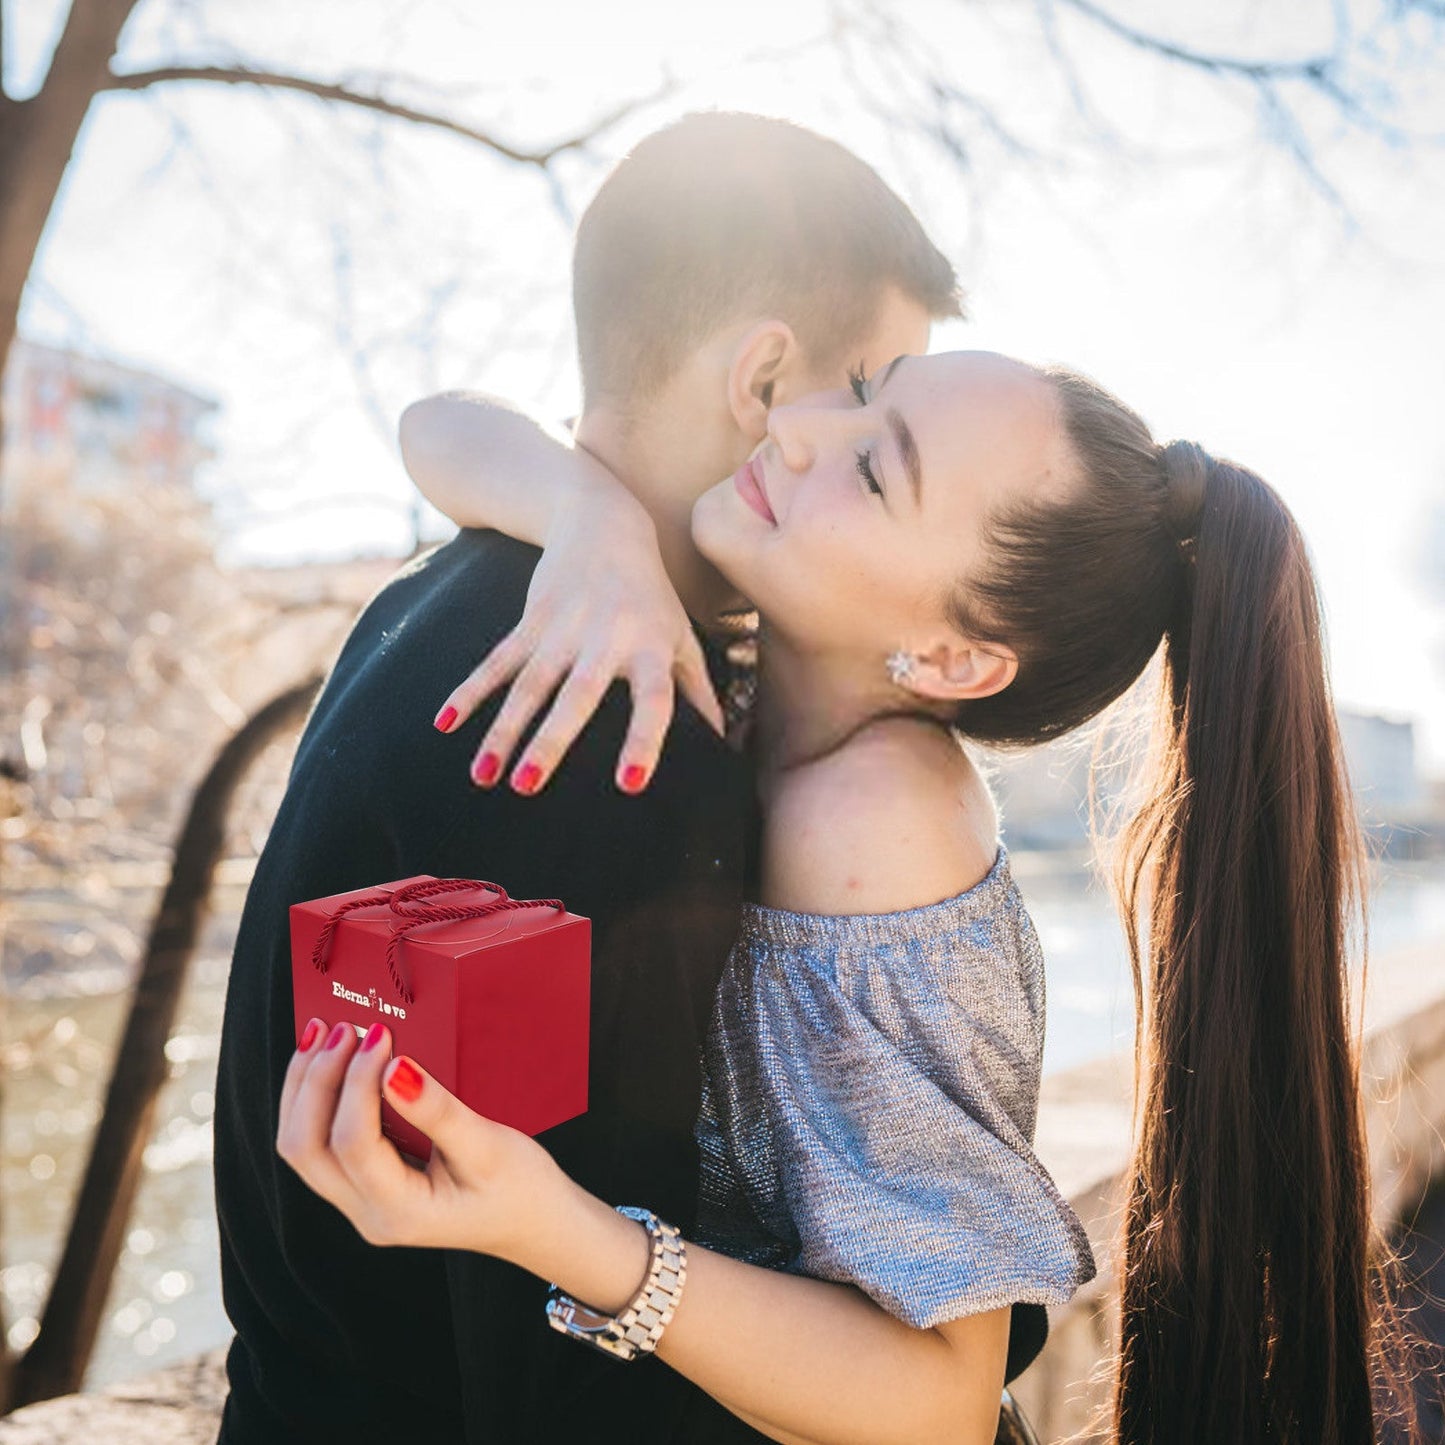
(729, 263)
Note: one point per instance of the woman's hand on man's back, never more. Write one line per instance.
(600, 607)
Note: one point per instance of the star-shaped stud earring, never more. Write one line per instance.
(901, 667)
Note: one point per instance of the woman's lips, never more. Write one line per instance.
(750, 488)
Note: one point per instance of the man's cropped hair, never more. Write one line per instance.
(723, 216)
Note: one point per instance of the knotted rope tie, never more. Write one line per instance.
(431, 913)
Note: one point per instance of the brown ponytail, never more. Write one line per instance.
(1251, 1277)
(1244, 1287)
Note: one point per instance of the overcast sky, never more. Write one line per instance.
(315, 270)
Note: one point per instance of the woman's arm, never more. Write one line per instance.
(600, 605)
(797, 1358)
(803, 1360)
(484, 463)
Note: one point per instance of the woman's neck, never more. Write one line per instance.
(810, 702)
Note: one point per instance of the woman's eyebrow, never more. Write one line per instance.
(907, 446)
(886, 373)
(908, 450)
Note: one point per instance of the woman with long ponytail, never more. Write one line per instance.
(966, 548)
(1252, 1283)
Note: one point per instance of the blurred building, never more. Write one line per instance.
(92, 425)
(1380, 752)
(1043, 792)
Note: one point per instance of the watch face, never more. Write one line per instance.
(593, 1329)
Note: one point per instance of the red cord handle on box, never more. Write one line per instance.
(427, 913)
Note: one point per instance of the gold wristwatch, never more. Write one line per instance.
(636, 1329)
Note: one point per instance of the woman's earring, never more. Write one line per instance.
(900, 667)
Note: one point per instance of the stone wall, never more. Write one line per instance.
(178, 1406)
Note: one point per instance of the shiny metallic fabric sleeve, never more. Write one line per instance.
(870, 1087)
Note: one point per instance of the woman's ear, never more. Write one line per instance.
(953, 671)
(762, 354)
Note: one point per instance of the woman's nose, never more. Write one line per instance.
(789, 438)
(800, 429)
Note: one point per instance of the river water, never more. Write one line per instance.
(60, 1031)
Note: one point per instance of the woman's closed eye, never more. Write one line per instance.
(864, 464)
(858, 385)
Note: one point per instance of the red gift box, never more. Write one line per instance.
(489, 994)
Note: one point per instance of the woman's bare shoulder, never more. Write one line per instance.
(896, 818)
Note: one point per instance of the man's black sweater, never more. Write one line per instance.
(337, 1339)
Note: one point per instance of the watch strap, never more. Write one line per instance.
(636, 1329)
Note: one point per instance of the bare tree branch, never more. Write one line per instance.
(325, 90)
(1322, 72)
(1342, 73)
(1311, 68)
(889, 40)
(1104, 132)
(1281, 121)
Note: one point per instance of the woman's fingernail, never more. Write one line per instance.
(334, 1038)
(634, 775)
(445, 718)
(405, 1080)
(308, 1036)
(486, 768)
(526, 778)
(373, 1037)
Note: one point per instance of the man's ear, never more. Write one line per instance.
(762, 354)
(956, 670)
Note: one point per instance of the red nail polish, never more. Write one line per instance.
(633, 777)
(406, 1080)
(445, 718)
(308, 1037)
(334, 1038)
(526, 778)
(373, 1037)
(486, 768)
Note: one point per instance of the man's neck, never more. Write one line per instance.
(639, 456)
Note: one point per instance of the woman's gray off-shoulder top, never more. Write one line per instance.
(870, 1087)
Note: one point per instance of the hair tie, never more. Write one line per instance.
(1187, 468)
